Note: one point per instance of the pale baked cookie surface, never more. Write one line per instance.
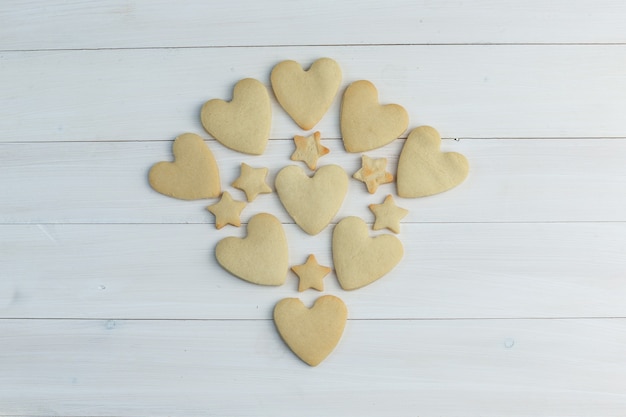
(424, 170)
(193, 174)
(366, 124)
(306, 95)
(242, 124)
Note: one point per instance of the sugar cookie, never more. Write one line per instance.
(227, 211)
(388, 215)
(306, 95)
(311, 334)
(360, 259)
(424, 170)
(311, 274)
(312, 202)
(262, 257)
(243, 124)
(309, 149)
(192, 176)
(252, 181)
(373, 173)
(365, 124)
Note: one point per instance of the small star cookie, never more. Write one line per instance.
(388, 215)
(227, 211)
(311, 274)
(252, 181)
(373, 173)
(309, 149)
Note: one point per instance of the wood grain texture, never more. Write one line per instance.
(509, 300)
(488, 368)
(57, 24)
(510, 181)
(480, 91)
(448, 271)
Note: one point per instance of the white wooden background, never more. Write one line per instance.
(511, 298)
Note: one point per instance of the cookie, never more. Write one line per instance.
(306, 95)
(360, 259)
(388, 215)
(424, 170)
(311, 334)
(243, 124)
(312, 202)
(373, 173)
(262, 257)
(194, 173)
(252, 181)
(365, 124)
(311, 274)
(227, 211)
(309, 149)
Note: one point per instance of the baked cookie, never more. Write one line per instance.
(312, 202)
(309, 149)
(244, 123)
(311, 274)
(373, 173)
(311, 334)
(227, 211)
(424, 170)
(365, 124)
(262, 257)
(360, 259)
(306, 95)
(388, 215)
(252, 181)
(194, 173)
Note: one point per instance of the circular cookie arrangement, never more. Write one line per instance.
(312, 201)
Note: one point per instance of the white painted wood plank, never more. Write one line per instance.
(448, 270)
(46, 24)
(510, 181)
(464, 90)
(400, 368)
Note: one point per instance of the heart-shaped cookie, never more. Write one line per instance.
(192, 176)
(360, 259)
(366, 124)
(312, 202)
(262, 257)
(306, 95)
(242, 124)
(424, 170)
(313, 333)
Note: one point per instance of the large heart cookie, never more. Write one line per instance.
(360, 259)
(313, 333)
(424, 170)
(312, 202)
(365, 124)
(242, 124)
(193, 175)
(262, 257)
(306, 95)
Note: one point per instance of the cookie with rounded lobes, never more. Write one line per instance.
(262, 257)
(366, 124)
(306, 95)
(312, 202)
(244, 123)
(360, 259)
(194, 173)
(311, 333)
(424, 170)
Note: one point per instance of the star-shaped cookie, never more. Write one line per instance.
(309, 149)
(227, 211)
(311, 274)
(373, 173)
(252, 181)
(388, 215)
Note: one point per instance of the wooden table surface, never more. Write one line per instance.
(510, 299)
